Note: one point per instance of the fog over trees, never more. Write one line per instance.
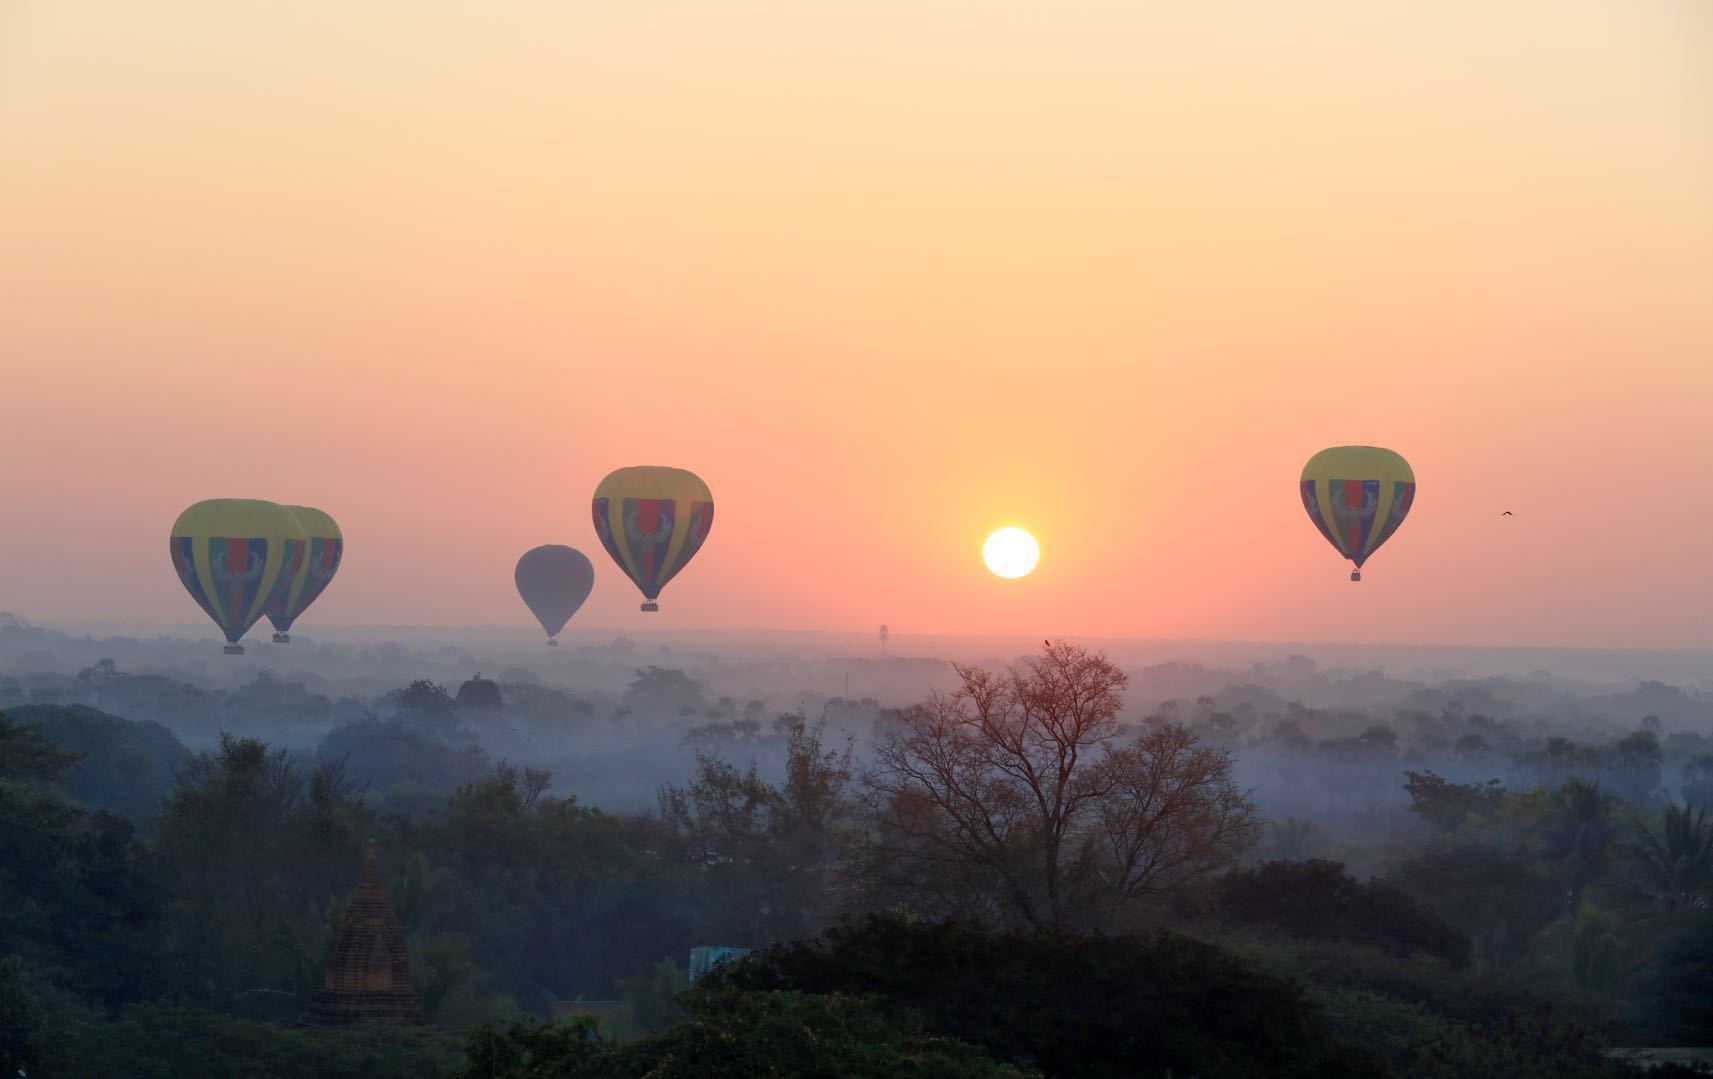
(1404, 872)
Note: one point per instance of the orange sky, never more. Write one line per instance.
(888, 276)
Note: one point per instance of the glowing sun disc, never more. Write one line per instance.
(1011, 552)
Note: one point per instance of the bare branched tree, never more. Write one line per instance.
(1170, 813)
(1015, 784)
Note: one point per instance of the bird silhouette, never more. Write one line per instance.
(1507, 513)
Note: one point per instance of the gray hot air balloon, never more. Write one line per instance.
(554, 580)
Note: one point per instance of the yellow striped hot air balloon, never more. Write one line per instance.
(652, 520)
(1358, 496)
(229, 553)
(320, 548)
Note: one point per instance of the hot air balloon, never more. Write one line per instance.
(1357, 496)
(229, 553)
(652, 520)
(554, 580)
(306, 577)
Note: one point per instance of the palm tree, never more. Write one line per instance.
(1673, 871)
(1579, 829)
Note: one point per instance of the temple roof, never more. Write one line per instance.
(368, 974)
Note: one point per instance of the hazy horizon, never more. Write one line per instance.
(515, 644)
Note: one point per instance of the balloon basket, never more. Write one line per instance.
(651, 606)
(1356, 575)
(282, 638)
(553, 642)
(234, 649)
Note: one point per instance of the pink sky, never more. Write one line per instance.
(887, 278)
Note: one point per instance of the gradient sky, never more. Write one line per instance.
(888, 276)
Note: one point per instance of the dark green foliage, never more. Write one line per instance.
(557, 899)
(1679, 984)
(740, 1035)
(158, 1042)
(1453, 807)
(1579, 831)
(76, 895)
(767, 851)
(1157, 1005)
(479, 698)
(24, 1031)
(654, 997)
(27, 756)
(1422, 1016)
(1520, 1046)
(254, 851)
(1499, 900)
(389, 756)
(1468, 994)
(1391, 1029)
(1698, 780)
(425, 705)
(123, 767)
(1671, 870)
(1318, 900)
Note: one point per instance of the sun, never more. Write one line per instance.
(1011, 552)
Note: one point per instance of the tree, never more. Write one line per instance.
(771, 849)
(123, 767)
(736, 1033)
(1633, 765)
(77, 895)
(387, 754)
(1698, 780)
(28, 757)
(663, 691)
(1500, 901)
(479, 698)
(1672, 872)
(253, 848)
(1582, 949)
(1453, 807)
(1319, 900)
(1069, 1004)
(1578, 830)
(427, 705)
(1017, 785)
(1170, 813)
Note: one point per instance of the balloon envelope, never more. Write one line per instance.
(229, 553)
(652, 520)
(554, 580)
(1357, 496)
(322, 546)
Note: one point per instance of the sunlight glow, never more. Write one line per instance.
(1011, 552)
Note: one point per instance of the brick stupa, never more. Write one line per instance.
(368, 975)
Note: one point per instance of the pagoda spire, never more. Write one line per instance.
(368, 974)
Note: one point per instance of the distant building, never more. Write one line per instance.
(368, 975)
(703, 959)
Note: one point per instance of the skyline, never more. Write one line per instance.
(1112, 280)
